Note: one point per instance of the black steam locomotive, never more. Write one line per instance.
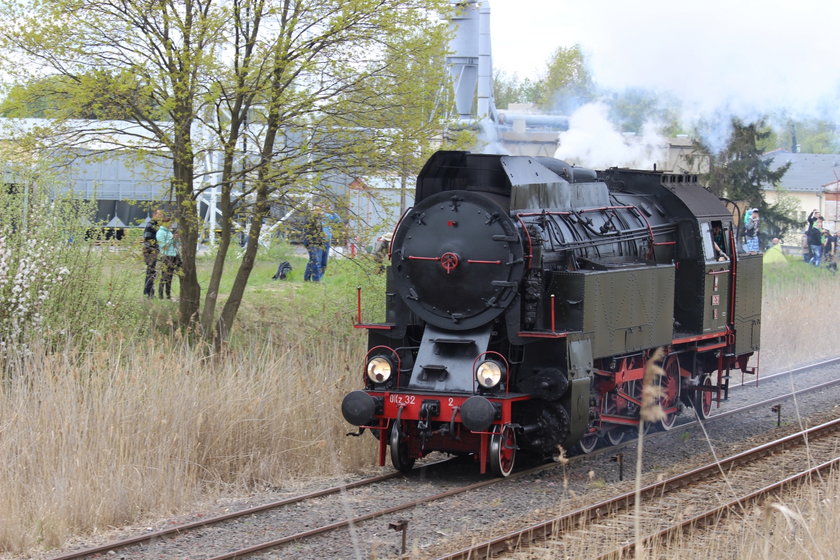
(525, 295)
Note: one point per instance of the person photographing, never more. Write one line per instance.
(751, 232)
(814, 235)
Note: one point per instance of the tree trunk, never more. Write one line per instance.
(231, 308)
(212, 297)
(190, 290)
(234, 300)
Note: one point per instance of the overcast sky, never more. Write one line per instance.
(741, 56)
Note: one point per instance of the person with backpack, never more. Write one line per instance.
(169, 257)
(751, 232)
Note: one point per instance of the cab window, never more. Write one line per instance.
(714, 241)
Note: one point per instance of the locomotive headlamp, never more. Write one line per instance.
(379, 369)
(489, 373)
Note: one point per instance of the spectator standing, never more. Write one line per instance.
(381, 250)
(829, 250)
(806, 248)
(814, 234)
(169, 257)
(150, 253)
(751, 232)
(314, 240)
(329, 219)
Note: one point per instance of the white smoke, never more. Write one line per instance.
(487, 139)
(720, 58)
(593, 141)
(747, 56)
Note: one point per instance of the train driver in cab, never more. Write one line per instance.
(718, 242)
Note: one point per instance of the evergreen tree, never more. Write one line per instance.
(741, 172)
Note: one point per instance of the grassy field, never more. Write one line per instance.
(135, 424)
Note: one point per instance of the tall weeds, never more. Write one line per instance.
(106, 437)
(650, 413)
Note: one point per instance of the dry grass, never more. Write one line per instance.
(140, 429)
(799, 307)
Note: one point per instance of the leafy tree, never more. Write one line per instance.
(632, 108)
(33, 100)
(567, 83)
(201, 77)
(408, 118)
(48, 98)
(509, 89)
(812, 136)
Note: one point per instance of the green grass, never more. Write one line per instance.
(796, 273)
(266, 301)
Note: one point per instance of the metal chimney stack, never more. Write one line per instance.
(470, 62)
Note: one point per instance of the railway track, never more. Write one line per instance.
(671, 505)
(427, 493)
(186, 528)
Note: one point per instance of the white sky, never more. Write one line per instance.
(737, 56)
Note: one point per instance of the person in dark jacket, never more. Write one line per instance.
(315, 242)
(814, 235)
(150, 253)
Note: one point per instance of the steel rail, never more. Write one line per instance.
(228, 516)
(792, 371)
(284, 540)
(320, 530)
(348, 522)
(771, 400)
(723, 510)
(625, 501)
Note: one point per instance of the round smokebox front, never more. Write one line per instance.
(457, 260)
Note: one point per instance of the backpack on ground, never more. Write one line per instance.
(282, 270)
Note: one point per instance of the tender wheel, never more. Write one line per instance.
(703, 399)
(670, 384)
(399, 450)
(503, 452)
(588, 442)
